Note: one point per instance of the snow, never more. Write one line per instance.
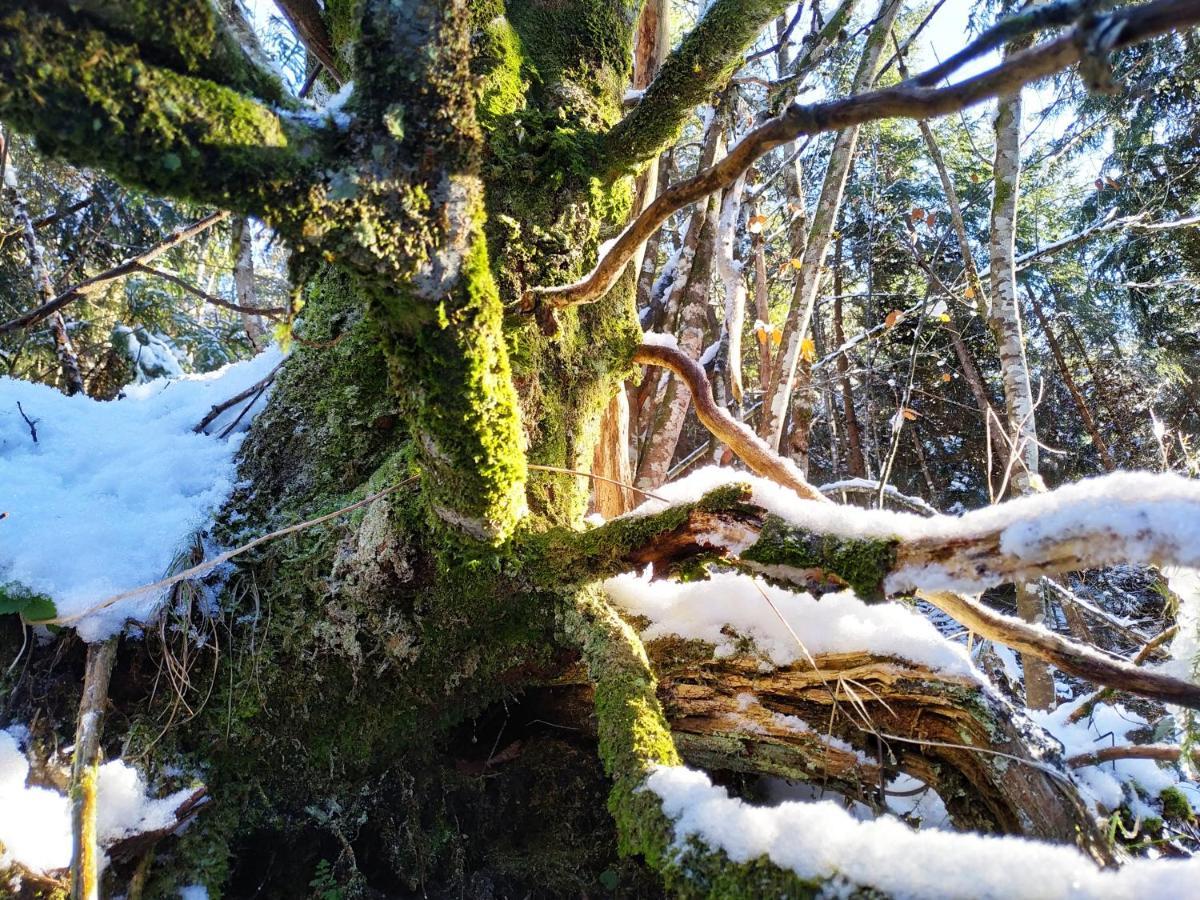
(193, 892)
(35, 822)
(109, 493)
(1151, 515)
(837, 623)
(1185, 651)
(821, 840)
(1109, 785)
(660, 339)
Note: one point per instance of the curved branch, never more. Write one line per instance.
(748, 446)
(908, 100)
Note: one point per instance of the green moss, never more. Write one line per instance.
(1175, 806)
(698, 66)
(98, 102)
(861, 563)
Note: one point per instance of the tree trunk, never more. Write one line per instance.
(804, 297)
(1085, 414)
(1004, 319)
(243, 281)
(855, 464)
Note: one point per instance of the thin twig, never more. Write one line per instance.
(205, 567)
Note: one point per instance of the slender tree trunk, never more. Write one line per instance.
(1004, 319)
(693, 323)
(1085, 414)
(243, 281)
(1101, 388)
(762, 308)
(808, 278)
(855, 465)
(68, 359)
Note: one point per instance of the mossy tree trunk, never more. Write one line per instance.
(374, 704)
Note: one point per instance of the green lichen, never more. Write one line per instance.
(861, 563)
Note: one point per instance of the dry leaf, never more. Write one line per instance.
(969, 293)
(892, 318)
(946, 376)
(931, 220)
(909, 414)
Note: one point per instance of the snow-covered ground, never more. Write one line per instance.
(107, 495)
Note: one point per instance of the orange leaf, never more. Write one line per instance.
(931, 220)
(797, 264)
(918, 214)
(892, 318)
(776, 337)
(946, 376)
(808, 350)
(909, 414)
(969, 293)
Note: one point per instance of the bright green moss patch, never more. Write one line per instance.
(862, 564)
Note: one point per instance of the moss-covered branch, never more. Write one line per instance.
(185, 35)
(701, 64)
(634, 740)
(98, 102)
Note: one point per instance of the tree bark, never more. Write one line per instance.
(804, 297)
(1004, 320)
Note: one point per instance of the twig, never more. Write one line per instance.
(205, 567)
(85, 863)
(582, 474)
(270, 312)
(216, 411)
(32, 423)
(910, 99)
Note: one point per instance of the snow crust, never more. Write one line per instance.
(35, 822)
(822, 840)
(837, 623)
(109, 492)
(1143, 511)
(660, 339)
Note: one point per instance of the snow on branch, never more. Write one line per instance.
(759, 527)
(910, 99)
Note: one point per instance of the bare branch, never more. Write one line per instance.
(128, 267)
(749, 447)
(909, 100)
(271, 312)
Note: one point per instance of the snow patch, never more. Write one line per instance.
(107, 495)
(837, 623)
(35, 822)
